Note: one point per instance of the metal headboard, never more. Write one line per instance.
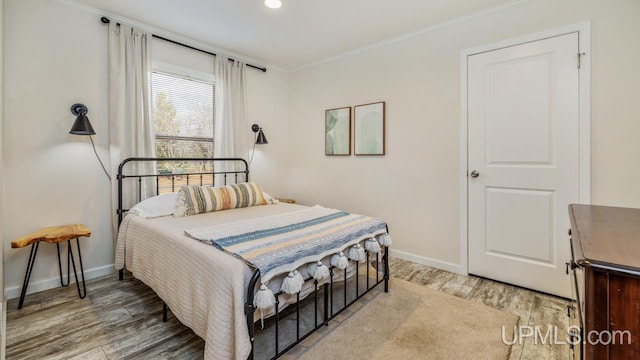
(175, 180)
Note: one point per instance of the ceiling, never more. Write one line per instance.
(301, 32)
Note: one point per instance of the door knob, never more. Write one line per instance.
(474, 174)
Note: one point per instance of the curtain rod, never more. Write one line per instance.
(106, 20)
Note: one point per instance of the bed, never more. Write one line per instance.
(215, 293)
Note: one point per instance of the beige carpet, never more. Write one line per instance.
(412, 322)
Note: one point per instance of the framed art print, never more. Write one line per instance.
(337, 131)
(369, 129)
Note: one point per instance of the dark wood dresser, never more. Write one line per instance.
(605, 249)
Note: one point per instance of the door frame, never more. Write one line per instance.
(584, 137)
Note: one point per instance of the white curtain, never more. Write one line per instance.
(130, 127)
(231, 130)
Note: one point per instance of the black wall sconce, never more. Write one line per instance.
(260, 138)
(82, 126)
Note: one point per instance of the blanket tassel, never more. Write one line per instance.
(384, 239)
(318, 271)
(372, 245)
(356, 253)
(264, 299)
(292, 284)
(339, 261)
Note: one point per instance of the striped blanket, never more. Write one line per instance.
(281, 243)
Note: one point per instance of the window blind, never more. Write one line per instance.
(182, 110)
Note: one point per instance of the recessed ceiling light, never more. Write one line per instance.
(274, 4)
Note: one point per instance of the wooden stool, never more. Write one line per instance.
(56, 234)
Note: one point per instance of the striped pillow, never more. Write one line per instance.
(195, 199)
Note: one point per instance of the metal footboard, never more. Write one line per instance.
(328, 295)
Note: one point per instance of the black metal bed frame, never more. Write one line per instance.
(328, 312)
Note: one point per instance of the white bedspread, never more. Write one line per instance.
(204, 287)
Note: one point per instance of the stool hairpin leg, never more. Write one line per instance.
(27, 275)
(60, 267)
(75, 274)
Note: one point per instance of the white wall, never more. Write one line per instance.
(57, 55)
(54, 59)
(415, 187)
(268, 107)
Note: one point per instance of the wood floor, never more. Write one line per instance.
(122, 319)
(533, 308)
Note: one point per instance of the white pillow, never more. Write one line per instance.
(270, 199)
(157, 206)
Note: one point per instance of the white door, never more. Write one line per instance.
(523, 154)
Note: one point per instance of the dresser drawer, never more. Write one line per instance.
(605, 276)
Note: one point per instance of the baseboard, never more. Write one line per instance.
(444, 265)
(54, 282)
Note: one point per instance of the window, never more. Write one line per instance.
(182, 115)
